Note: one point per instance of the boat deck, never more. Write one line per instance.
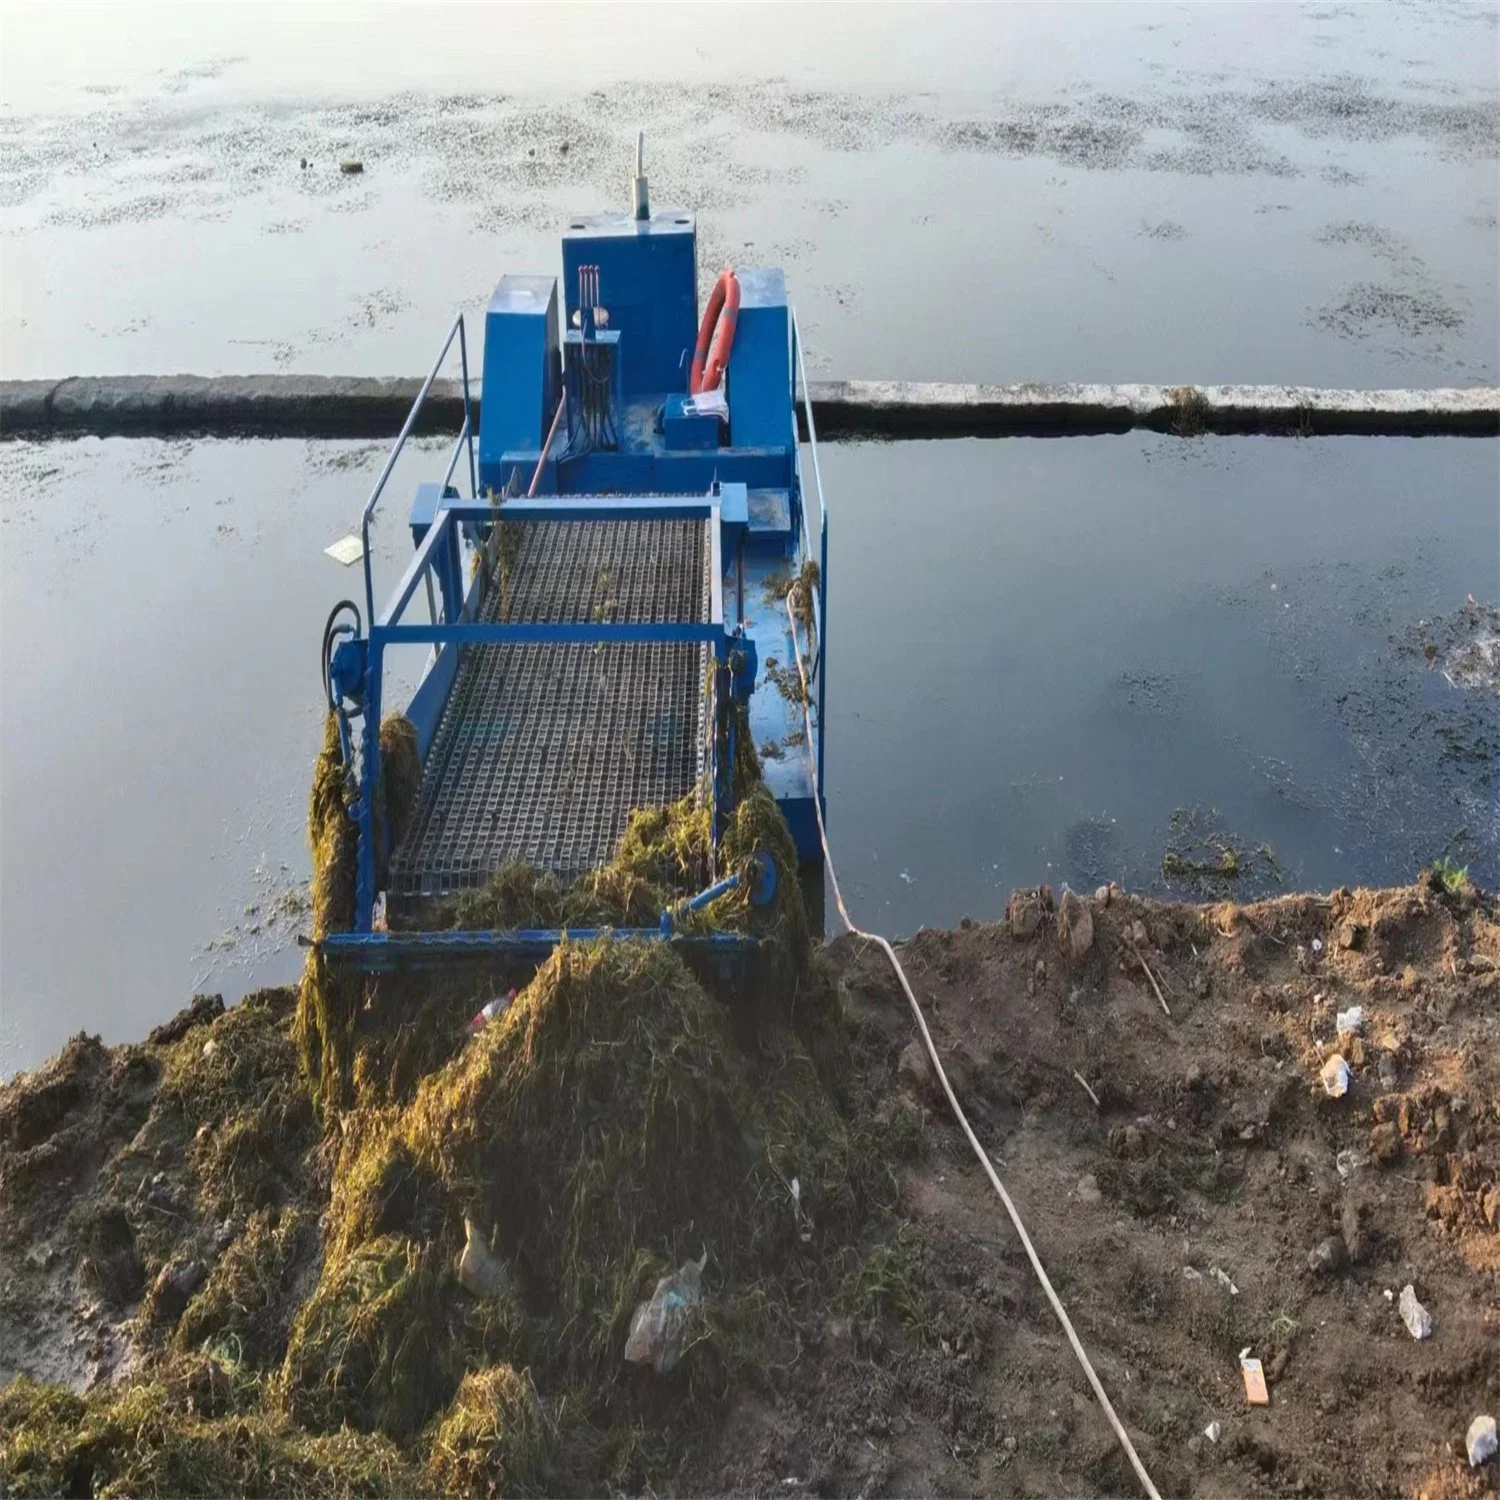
(543, 749)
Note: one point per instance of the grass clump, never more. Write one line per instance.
(244, 1106)
(328, 999)
(648, 1151)
(497, 1438)
(400, 779)
(243, 1305)
(371, 1347)
(154, 1438)
(1189, 408)
(1451, 876)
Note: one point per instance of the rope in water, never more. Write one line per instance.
(958, 1114)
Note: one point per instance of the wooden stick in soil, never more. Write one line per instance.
(1140, 959)
(1087, 1090)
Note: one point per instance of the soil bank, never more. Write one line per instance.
(1187, 1180)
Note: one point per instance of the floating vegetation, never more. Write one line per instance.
(1204, 859)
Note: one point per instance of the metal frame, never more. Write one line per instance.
(439, 548)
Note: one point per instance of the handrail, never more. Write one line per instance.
(816, 602)
(406, 429)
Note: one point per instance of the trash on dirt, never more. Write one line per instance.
(1416, 1317)
(480, 1270)
(1350, 1021)
(1481, 1440)
(1335, 1076)
(1222, 1277)
(1213, 1432)
(656, 1329)
(1317, 945)
(1347, 1163)
(487, 1013)
(1254, 1376)
(350, 165)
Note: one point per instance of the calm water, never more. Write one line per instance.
(1040, 651)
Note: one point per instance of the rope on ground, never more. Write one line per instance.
(953, 1104)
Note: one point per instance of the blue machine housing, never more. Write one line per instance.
(633, 444)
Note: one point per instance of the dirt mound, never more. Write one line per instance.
(252, 1296)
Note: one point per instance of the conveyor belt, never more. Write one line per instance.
(543, 750)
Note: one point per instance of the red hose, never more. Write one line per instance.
(708, 369)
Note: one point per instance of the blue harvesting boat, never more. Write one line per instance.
(601, 577)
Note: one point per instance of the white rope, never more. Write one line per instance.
(953, 1104)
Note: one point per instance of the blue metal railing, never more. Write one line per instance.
(465, 436)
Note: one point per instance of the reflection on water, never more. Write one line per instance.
(1039, 652)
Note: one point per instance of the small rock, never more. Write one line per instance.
(1010, 1444)
(1088, 1189)
(1102, 895)
(351, 165)
(1201, 986)
(914, 1069)
(1481, 1440)
(1075, 926)
(1416, 1317)
(1277, 1367)
(1213, 1432)
(480, 1270)
(225, 1235)
(1025, 911)
(1041, 971)
(1335, 1076)
(1327, 1255)
(1138, 934)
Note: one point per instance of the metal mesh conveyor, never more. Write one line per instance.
(543, 749)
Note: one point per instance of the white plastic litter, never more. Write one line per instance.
(1416, 1317)
(712, 403)
(1351, 1020)
(1317, 945)
(347, 550)
(1335, 1077)
(1213, 1432)
(496, 1007)
(1481, 1440)
(1222, 1277)
(479, 1268)
(659, 1323)
(1348, 1162)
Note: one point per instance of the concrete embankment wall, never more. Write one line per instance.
(334, 406)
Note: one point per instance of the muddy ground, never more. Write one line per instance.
(1213, 1198)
